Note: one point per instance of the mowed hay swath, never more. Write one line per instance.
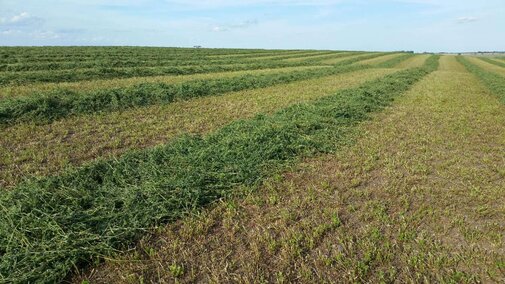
(486, 65)
(113, 159)
(179, 67)
(33, 149)
(414, 61)
(62, 103)
(494, 81)
(191, 170)
(90, 85)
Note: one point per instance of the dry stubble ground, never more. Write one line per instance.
(417, 198)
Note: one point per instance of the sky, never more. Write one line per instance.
(382, 25)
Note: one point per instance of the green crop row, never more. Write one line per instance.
(273, 53)
(395, 61)
(108, 57)
(139, 62)
(48, 54)
(55, 76)
(79, 51)
(495, 82)
(43, 149)
(52, 225)
(108, 64)
(97, 64)
(492, 61)
(46, 107)
(115, 64)
(360, 58)
(317, 58)
(278, 57)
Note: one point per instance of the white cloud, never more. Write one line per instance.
(25, 25)
(7, 32)
(37, 34)
(241, 25)
(464, 20)
(16, 18)
(21, 19)
(45, 35)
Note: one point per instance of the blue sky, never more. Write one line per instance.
(419, 25)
